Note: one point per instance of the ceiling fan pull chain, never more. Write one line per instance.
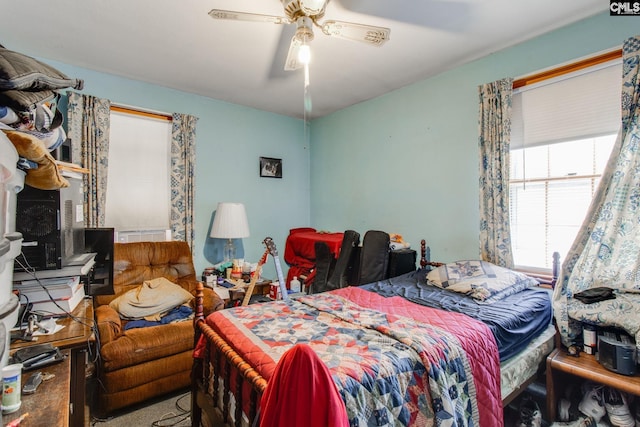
(307, 91)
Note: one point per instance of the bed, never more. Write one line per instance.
(400, 351)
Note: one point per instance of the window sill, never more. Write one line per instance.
(544, 276)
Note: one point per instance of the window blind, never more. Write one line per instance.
(138, 187)
(562, 132)
(579, 105)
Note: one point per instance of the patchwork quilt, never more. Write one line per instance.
(391, 369)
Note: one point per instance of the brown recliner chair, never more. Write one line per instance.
(140, 363)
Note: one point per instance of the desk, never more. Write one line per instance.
(49, 406)
(75, 337)
(587, 367)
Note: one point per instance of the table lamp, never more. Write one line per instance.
(230, 223)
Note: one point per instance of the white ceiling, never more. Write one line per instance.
(177, 45)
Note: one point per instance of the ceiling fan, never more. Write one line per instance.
(305, 14)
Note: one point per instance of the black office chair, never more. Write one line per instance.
(374, 257)
(334, 274)
(324, 264)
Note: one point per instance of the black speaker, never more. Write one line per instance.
(617, 353)
(52, 225)
(401, 261)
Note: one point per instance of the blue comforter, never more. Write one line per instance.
(514, 320)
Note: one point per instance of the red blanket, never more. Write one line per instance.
(303, 381)
(300, 250)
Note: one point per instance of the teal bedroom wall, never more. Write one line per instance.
(230, 140)
(407, 162)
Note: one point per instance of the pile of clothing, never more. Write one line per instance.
(29, 115)
(396, 242)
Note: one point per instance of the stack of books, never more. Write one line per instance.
(51, 296)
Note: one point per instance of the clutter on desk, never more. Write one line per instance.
(38, 355)
(229, 274)
(11, 387)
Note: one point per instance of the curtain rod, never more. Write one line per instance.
(134, 111)
(569, 68)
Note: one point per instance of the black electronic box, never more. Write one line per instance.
(617, 352)
(52, 225)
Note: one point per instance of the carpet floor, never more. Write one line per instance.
(170, 410)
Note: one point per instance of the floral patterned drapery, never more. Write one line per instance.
(183, 155)
(606, 251)
(88, 128)
(495, 134)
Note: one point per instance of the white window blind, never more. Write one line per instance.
(576, 106)
(563, 131)
(138, 188)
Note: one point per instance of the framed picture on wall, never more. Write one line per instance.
(270, 167)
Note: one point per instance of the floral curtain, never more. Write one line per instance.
(183, 154)
(88, 129)
(606, 251)
(495, 134)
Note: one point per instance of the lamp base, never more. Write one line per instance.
(229, 253)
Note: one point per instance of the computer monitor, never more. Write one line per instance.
(100, 241)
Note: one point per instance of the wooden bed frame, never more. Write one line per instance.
(220, 361)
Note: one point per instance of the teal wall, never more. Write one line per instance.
(407, 162)
(230, 139)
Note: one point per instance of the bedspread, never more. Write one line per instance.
(514, 320)
(387, 366)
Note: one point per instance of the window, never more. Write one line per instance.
(563, 131)
(138, 187)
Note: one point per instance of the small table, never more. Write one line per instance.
(76, 337)
(49, 406)
(260, 288)
(587, 367)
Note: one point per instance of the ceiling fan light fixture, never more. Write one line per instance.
(313, 7)
(304, 54)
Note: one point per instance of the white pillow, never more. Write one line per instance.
(153, 297)
(481, 280)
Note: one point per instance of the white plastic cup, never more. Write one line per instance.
(11, 388)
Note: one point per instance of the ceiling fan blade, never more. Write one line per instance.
(292, 62)
(357, 32)
(276, 68)
(244, 16)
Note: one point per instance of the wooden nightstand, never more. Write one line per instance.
(560, 364)
(260, 288)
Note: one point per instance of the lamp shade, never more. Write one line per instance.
(230, 221)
